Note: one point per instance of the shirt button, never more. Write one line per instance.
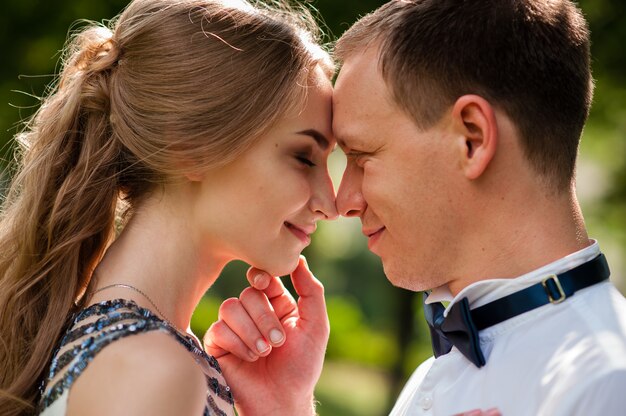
(426, 402)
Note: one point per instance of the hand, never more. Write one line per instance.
(281, 379)
(478, 412)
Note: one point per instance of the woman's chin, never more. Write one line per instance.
(280, 267)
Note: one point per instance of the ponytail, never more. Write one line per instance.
(58, 216)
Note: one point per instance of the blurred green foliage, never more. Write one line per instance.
(377, 331)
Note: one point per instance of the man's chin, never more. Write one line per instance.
(393, 274)
(402, 278)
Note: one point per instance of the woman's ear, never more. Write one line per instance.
(193, 176)
(475, 121)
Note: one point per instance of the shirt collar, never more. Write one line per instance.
(485, 291)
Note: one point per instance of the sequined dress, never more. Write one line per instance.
(100, 325)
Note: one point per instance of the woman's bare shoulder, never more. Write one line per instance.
(149, 373)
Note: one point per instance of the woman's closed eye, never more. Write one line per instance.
(305, 160)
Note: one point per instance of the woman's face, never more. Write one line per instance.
(263, 207)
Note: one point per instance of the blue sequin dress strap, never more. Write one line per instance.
(101, 324)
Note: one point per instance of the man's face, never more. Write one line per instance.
(399, 180)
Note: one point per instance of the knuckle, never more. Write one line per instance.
(248, 294)
(228, 306)
(317, 287)
(217, 333)
(284, 302)
(266, 318)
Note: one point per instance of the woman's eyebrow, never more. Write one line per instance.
(319, 138)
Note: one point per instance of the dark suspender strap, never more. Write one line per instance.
(552, 289)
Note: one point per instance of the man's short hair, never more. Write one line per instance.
(529, 58)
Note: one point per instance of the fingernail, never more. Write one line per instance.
(252, 355)
(262, 346)
(258, 280)
(276, 336)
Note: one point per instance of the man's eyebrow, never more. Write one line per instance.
(319, 138)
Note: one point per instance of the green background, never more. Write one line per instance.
(378, 335)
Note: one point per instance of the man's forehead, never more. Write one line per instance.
(360, 80)
(360, 99)
(356, 69)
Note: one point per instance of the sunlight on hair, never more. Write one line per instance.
(103, 32)
(238, 4)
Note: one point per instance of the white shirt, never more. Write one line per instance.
(564, 359)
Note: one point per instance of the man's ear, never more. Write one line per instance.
(475, 121)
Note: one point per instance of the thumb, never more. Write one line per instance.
(311, 302)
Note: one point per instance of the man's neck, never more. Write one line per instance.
(537, 232)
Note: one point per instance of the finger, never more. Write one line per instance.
(235, 316)
(220, 340)
(311, 303)
(282, 301)
(284, 306)
(259, 308)
(275, 288)
(479, 412)
(271, 285)
(258, 279)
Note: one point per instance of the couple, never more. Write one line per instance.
(460, 122)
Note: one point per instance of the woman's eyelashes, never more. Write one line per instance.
(305, 159)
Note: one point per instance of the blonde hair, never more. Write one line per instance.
(168, 85)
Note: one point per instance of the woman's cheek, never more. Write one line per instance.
(298, 183)
(307, 188)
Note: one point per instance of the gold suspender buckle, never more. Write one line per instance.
(556, 283)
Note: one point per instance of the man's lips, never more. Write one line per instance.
(370, 232)
(303, 232)
(373, 234)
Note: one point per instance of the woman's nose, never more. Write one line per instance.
(323, 201)
(350, 201)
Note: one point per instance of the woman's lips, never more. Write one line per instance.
(303, 233)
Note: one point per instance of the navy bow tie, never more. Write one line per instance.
(460, 327)
(456, 329)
